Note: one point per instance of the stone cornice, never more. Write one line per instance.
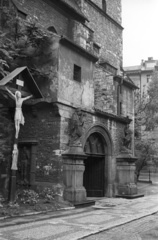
(76, 13)
(125, 82)
(95, 111)
(113, 117)
(105, 64)
(79, 49)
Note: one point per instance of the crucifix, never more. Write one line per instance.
(18, 83)
(18, 117)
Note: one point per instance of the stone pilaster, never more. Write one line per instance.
(73, 175)
(126, 175)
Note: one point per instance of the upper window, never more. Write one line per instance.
(104, 5)
(77, 73)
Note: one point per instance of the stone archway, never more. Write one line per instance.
(106, 159)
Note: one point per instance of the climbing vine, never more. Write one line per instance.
(22, 42)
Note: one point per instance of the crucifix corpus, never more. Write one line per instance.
(18, 117)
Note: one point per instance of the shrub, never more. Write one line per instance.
(47, 194)
(27, 197)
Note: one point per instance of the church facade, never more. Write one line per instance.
(86, 101)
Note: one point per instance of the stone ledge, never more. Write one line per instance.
(130, 196)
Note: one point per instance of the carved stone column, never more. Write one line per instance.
(73, 175)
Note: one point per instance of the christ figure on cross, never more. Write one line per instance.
(18, 117)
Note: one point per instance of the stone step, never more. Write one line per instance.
(86, 203)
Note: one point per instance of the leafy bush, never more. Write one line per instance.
(47, 194)
(21, 43)
(145, 151)
(27, 197)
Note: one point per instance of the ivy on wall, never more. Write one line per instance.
(22, 42)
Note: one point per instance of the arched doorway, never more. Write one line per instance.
(94, 174)
(101, 148)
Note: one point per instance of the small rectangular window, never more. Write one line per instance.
(77, 73)
(119, 100)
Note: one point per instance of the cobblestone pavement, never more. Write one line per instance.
(143, 229)
(107, 214)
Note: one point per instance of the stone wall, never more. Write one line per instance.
(127, 102)
(51, 16)
(113, 8)
(107, 34)
(42, 124)
(115, 128)
(71, 91)
(107, 94)
(105, 90)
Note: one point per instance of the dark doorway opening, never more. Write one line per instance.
(94, 174)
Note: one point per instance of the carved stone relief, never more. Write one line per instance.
(75, 127)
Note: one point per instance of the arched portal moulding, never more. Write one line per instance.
(110, 161)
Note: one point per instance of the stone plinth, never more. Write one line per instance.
(126, 175)
(73, 175)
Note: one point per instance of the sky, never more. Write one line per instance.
(140, 34)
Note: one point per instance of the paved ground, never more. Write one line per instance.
(77, 224)
(107, 214)
(142, 229)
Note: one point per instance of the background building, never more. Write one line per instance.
(141, 74)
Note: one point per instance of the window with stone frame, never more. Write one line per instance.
(104, 5)
(77, 73)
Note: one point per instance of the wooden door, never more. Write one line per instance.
(93, 179)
